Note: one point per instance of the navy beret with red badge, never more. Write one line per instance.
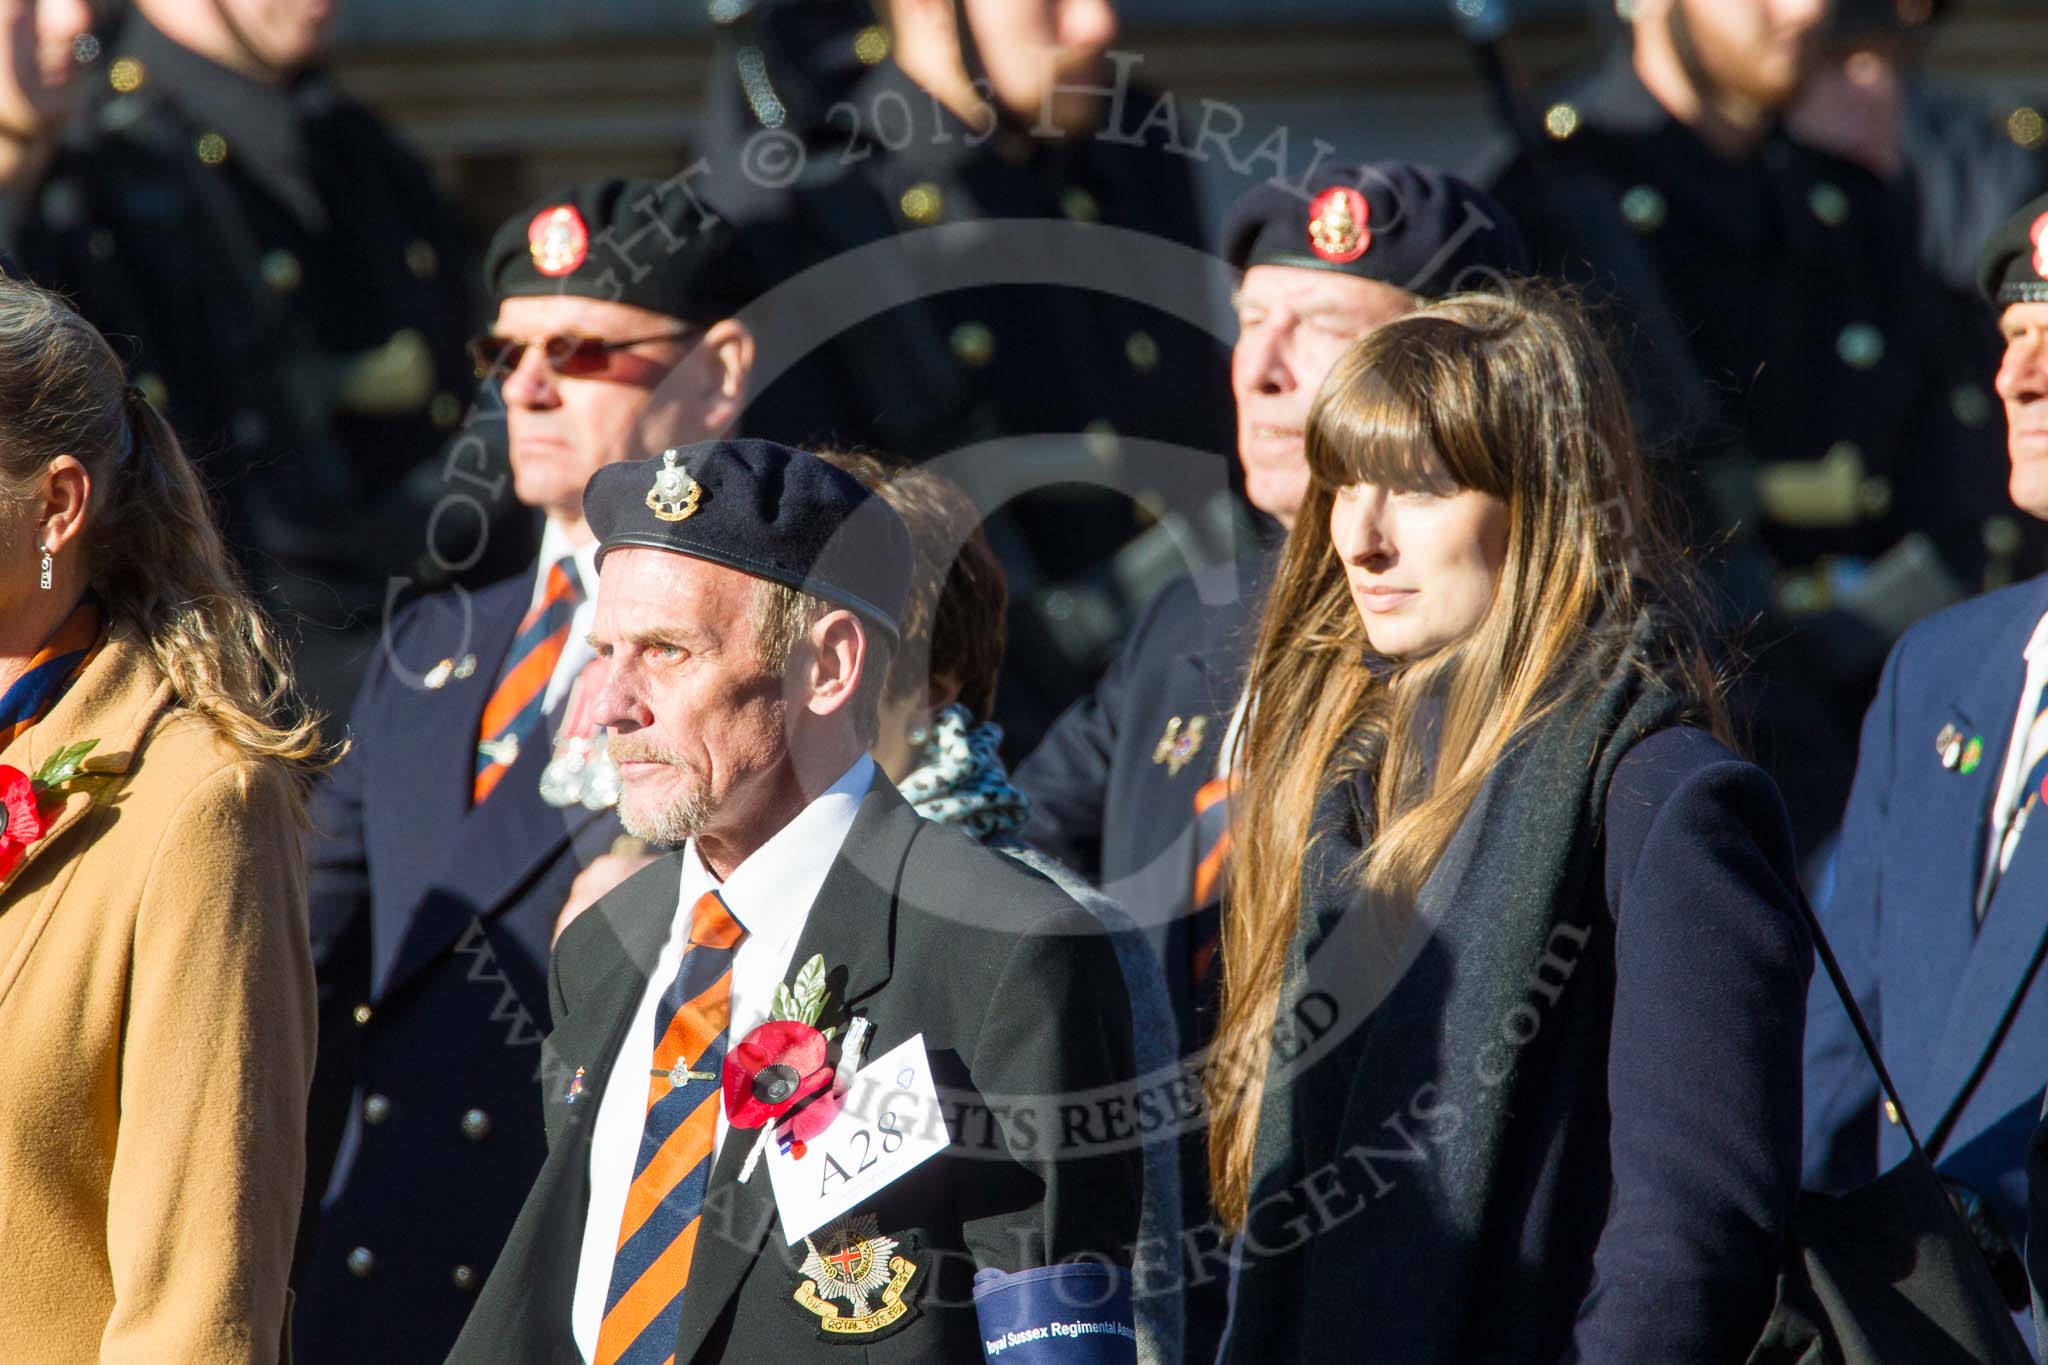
(651, 243)
(2014, 265)
(1398, 222)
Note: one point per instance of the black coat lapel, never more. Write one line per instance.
(853, 924)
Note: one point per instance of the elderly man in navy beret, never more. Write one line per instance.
(474, 797)
(804, 1084)
(1128, 786)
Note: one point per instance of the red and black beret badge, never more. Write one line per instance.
(558, 240)
(1337, 220)
(2038, 234)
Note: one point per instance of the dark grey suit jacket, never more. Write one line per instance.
(1025, 1018)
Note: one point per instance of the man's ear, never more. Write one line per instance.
(839, 655)
(730, 348)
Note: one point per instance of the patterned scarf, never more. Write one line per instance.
(960, 781)
(51, 672)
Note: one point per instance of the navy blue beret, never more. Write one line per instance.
(652, 243)
(765, 510)
(2013, 267)
(1397, 222)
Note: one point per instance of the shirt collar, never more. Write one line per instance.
(771, 893)
(554, 544)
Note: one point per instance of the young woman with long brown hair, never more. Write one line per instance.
(156, 985)
(1514, 971)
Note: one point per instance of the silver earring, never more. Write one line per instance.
(46, 568)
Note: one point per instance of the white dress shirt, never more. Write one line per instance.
(770, 894)
(2029, 738)
(554, 544)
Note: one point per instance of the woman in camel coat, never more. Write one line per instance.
(156, 988)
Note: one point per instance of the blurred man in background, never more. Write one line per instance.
(996, 115)
(460, 817)
(1829, 441)
(296, 293)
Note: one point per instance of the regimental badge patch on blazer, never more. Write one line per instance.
(875, 1277)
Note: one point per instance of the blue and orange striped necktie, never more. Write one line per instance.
(51, 672)
(514, 711)
(658, 1230)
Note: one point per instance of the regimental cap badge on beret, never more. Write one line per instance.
(675, 494)
(1337, 224)
(558, 239)
(2038, 234)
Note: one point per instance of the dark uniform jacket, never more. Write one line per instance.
(431, 920)
(1021, 1003)
(1107, 796)
(1113, 790)
(1935, 984)
(979, 283)
(1640, 1207)
(285, 281)
(1817, 394)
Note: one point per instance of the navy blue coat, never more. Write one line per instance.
(431, 922)
(1105, 803)
(1659, 1239)
(1933, 984)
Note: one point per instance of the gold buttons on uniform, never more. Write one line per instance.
(212, 148)
(1643, 208)
(1100, 438)
(870, 45)
(421, 258)
(1860, 345)
(1561, 120)
(361, 1015)
(361, 1263)
(2026, 127)
(281, 270)
(476, 1125)
(1079, 205)
(1142, 351)
(126, 75)
(973, 344)
(1829, 204)
(922, 203)
(2001, 536)
(464, 1277)
(1971, 405)
(376, 1108)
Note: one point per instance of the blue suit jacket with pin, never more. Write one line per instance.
(1933, 983)
(1105, 802)
(431, 922)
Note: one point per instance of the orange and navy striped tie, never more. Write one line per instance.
(1212, 842)
(658, 1231)
(514, 710)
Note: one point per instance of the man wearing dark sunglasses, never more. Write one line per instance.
(439, 866)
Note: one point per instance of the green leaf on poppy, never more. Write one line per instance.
(65, 763)
(785, 1004)
(810, 988)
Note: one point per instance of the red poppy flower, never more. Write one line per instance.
(774, 1069)
(21, 824)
